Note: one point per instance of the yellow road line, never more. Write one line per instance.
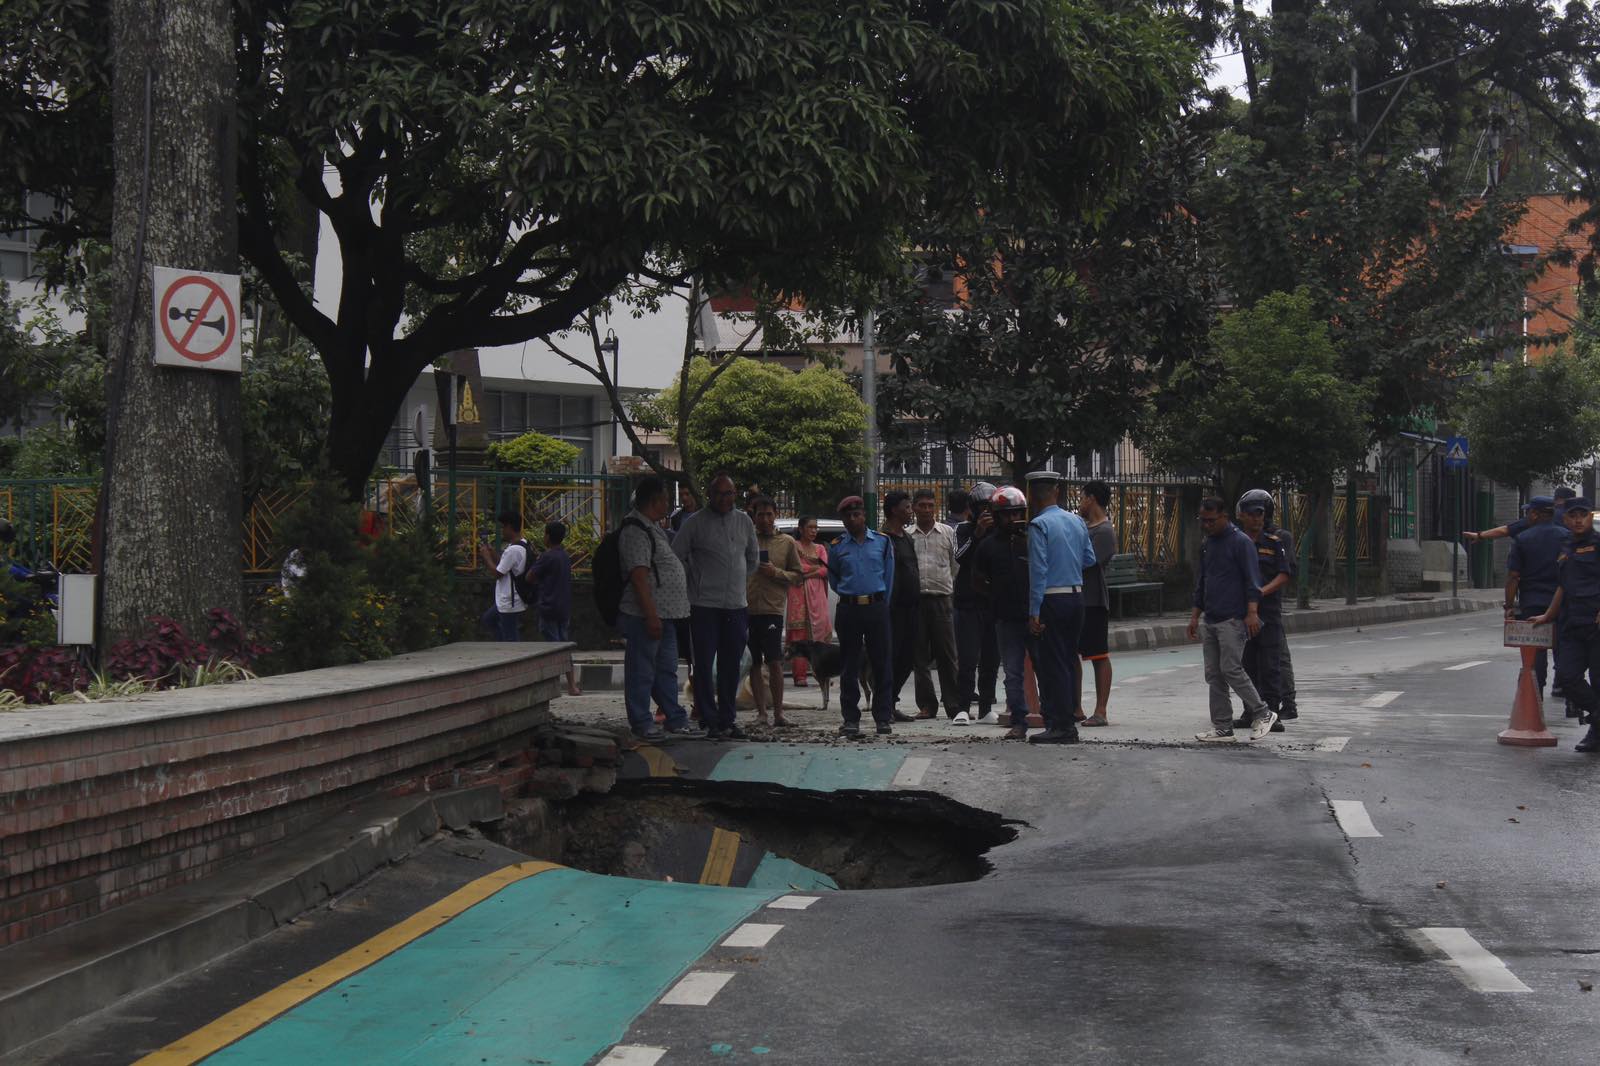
(244, 1020)
(719, 859)
(660, 763)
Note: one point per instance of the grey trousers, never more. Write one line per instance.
(1224, 654)
(936, 650)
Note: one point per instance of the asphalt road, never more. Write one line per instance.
(1165, 903)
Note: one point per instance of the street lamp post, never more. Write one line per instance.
(609, 347)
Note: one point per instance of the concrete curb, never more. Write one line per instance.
(49, 981)
(606, 676)
(1170, 634)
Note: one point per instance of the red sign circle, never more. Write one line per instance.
(196, 318)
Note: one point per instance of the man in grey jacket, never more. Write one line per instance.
(718, 547)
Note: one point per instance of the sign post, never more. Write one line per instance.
(196, 323)
(1456, 455)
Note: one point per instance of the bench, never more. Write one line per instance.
(1122, 579)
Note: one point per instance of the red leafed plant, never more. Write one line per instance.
(160, 657)
(38, 673)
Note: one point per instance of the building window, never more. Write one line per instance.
(17, 247)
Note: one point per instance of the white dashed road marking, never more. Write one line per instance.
(1332, 743)
(910, 773)
(1382, 699)
(696, 989)
(1432, 633)
(633, 1055)
(1395, 638)
(792, 903)
(1310, 647)
(1468, 666)
(751, 935)
(1353, 818)
(1474, 964)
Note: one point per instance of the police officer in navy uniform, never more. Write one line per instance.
(1263, 653)
(1576, 611)
(1532, 574)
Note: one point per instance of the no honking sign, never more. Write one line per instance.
(197, 320)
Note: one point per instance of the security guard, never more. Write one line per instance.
(1576, 609)
(861, 571)
(1263, 653)
(1531, 572)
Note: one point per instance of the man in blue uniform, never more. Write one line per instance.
(1227, 595)
(1263, 653)
(1532, 574)
(861, 571)
(1058, 553)
(1576, 610)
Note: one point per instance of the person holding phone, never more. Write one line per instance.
(776, 573)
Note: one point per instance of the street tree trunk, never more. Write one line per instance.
(171, 499)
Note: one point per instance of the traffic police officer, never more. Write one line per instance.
(1263, 653)
(861, 571)
(1576, 608)
(1058, 553)
(1531, 573)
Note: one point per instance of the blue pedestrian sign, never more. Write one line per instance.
(1455, 453)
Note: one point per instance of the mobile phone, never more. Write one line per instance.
(765, 556)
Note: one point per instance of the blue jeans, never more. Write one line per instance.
(650, 668)
(865, 625)
(557, 631)
(1056, 663)
(720, 633)
(1015, 646)
(504, 626)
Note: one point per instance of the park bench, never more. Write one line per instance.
(1122, 579)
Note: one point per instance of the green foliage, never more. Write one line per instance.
(356, 602)
(800, 432)
(1268, 407)
(284, 401)
(48, 451)
(532, 452)
(1533, 421)
(25, 616)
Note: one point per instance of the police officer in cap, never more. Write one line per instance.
(1576, 610)
(1532, 573)
(1263, 653)
(1059, 551)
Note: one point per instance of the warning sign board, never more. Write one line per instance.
(1528, 635)
(197, 320)
(1456, 453)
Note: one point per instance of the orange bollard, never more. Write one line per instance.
(1527, 727)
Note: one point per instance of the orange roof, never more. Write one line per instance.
(1552, 298)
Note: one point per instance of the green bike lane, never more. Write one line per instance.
(544, 964)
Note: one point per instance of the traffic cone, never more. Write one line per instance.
(1527, 728)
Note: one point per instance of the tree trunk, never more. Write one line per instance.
(172, 485)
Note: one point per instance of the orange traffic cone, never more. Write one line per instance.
(1527, 711)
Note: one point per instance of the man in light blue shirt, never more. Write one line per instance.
(1059, 551)
(861, 571)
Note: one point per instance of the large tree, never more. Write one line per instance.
(493, 168)
(1055, 328)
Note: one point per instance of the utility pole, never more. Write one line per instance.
(869, 396)
(171, 499)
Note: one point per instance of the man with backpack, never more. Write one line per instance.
(641, 585)
(509, 564)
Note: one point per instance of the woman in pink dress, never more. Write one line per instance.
(808, 601)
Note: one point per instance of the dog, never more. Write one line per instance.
(826, 659)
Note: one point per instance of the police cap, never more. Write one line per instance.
(1042, 475)
(1542, 503)
(852, 503)
(1578, 503)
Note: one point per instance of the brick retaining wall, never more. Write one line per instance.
(106, 803)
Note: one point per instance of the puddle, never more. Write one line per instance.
(761, 834)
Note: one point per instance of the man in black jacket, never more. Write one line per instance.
(904, 600)
(977, 644)
(1000, 575)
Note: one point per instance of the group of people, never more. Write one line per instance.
(1553, 577)
(525, 579)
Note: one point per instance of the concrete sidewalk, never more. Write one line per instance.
(601, 671)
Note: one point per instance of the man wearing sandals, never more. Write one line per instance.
(768, 594)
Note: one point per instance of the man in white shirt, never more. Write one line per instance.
(936, 638)
(505, 617)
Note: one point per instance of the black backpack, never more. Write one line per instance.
(522, 582)
(606, 570)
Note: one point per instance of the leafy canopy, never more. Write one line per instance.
(534, 452)
(1533, 421)
(1269, 406)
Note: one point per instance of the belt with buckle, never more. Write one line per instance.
(862, 601)
(1063, 589)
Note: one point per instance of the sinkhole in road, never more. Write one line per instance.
(766, 835)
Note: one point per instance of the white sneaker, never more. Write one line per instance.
(1262, 726)
(992, 718)
(1215, 736)
(961, 718)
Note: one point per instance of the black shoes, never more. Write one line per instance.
(902, 716)
(850, 729)
(884, 729)
(1572, 712)
(1590, 742)
(1244, 722)
(1288, 714)
(733, 732)
(1055, 736)
(1277, 726)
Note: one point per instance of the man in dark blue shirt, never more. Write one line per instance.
(1532, 573)
(861, 571)
(552, 576)
(1263, 653)
(1227, 595)
(1576, 610)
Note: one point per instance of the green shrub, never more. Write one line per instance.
(533, 452)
